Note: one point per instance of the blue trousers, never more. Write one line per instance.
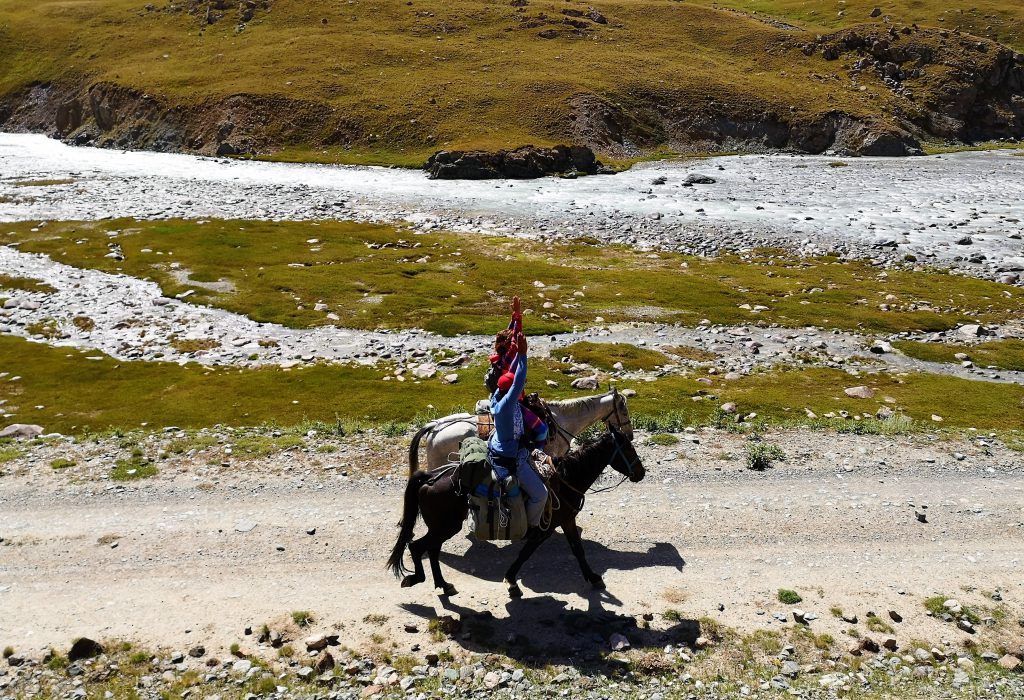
(530, 482)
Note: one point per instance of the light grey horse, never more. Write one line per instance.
(442, 437)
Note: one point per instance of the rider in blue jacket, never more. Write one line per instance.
(510, 445)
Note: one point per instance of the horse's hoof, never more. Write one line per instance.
(598, 584)
(514, 591)
(448, 590)
(410, 581)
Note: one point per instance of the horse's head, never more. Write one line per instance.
(624, 459)
(619, 416)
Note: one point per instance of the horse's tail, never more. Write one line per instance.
(414, 448)
(410, 512)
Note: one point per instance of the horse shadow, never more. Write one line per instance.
(542, 630)
(553, 568)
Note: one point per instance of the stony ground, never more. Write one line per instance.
(230, 536)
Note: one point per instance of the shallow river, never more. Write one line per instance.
(923, 206)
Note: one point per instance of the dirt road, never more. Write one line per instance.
(197, 554)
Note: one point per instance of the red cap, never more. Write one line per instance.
(494, 358)
(505, 381)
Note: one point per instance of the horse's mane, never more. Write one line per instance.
(580, 401)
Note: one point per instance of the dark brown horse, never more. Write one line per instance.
(435, 495)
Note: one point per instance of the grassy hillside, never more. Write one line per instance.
(402, 79)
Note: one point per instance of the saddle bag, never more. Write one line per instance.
(498, 510)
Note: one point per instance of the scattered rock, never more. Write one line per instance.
(619, 642)
(84, 648)
(586, 383)
(859, 392)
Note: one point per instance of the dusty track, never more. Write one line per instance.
(834, 521)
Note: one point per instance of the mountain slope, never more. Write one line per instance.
(395, 80)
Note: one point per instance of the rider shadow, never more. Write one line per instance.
(553, 568)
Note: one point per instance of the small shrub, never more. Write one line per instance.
(836, 611)
(286, 652)
(8, 652)
(62, 463)
(877, 624)
(57, 662)
(235, 649)
(838, 164)
(761, 455)
(139, 658)
(264, 686)
(789, 597)
(824, 641)
(672, 615)
(664, 439)
(302, 618)
(327, 448)
(375, 619)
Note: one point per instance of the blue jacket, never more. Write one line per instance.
(504, 441)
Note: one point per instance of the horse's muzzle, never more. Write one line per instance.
(638, 474)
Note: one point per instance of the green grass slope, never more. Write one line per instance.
(394, 80)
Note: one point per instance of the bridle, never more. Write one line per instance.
(631, 464)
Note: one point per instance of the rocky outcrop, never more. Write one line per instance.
(113, 116)
(522, 163)
(962, 87)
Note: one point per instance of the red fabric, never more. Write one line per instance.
(505, 381)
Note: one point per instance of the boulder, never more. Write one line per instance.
(21, 430)
(1010, 662)
(526, 162)
(84, 648)
(586, 383)
(859, 392)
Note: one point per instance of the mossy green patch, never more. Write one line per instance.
(81, 395)
(789, 597)
(1001, 354)
(605, 355)
(25, 284)
(372, 276)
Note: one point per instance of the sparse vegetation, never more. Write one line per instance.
(136, 467)
(62, 463)
(762, 455)
(877, 624)
(672, 615)
(375, 619)
(789, 597)
(302, 618)
(8, 652)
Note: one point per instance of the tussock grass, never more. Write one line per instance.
(1002, 354)
(370, 276)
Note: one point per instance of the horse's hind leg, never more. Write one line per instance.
(576, 545)
(416, 548)
(434, 552)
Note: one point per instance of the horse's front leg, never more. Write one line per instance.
(572, 534)
(534, 540)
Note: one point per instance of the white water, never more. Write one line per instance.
(923, 204)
